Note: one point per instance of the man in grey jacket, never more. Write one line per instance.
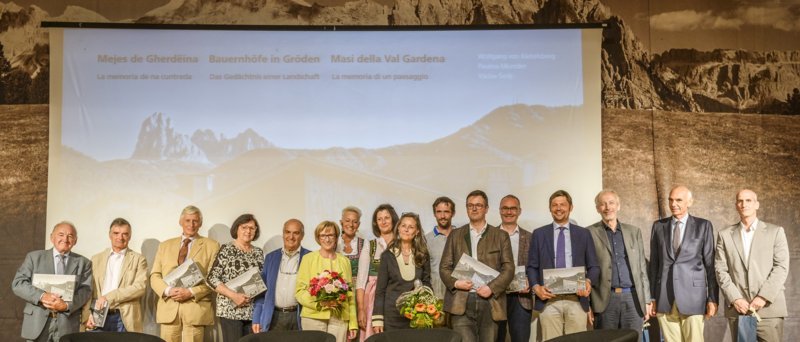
(621, 299)
(47, 316)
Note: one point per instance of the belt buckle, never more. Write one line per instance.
(53, 314)
(617, 290)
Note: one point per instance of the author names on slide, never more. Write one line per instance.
(493, 66)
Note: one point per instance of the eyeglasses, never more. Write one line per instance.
(478, 206)
(509, 208)
(327, 236)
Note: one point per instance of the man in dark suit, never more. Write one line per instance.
(474, 308)
(278, 309)
(561, 245)
(47, 316)
(682, 280)
(621, 297)
(518, 304)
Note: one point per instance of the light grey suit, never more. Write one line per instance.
(634, 249)
(36, 315)
(764, 274)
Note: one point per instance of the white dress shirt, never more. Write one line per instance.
(747, 238)
(113, 271)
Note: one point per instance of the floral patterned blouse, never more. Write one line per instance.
(230, 263)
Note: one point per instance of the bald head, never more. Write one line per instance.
(747, 205)
(680, 199)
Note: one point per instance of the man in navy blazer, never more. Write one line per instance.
(681, 271)
(551, 247)
(280, 275)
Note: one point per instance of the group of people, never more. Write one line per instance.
(680, 285)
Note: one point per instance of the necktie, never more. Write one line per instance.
(676, 237)
(561, 253)
(184, 251)
(60, 265)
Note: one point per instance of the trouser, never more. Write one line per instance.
(180, 331)
(282, 321)
(476, 324)
(562, 315)
(676, 327)
(234, 329)
(518, 324)
(768, 330)
(333, 326)
(621, 313)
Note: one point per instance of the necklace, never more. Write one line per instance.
(406, 256)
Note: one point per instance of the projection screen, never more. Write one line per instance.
(301, 122)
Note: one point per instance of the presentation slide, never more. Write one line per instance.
(301, 123)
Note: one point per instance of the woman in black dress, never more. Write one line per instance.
(405, 259)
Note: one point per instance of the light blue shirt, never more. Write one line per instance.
(567, 244)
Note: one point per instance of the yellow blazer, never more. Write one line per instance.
(311, 265)
(131, 287)
(198, 310)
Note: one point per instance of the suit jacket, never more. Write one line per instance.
(634, 250)
(264, 306)
(764, 273)
(691, 271)
(494, 250)
(542, 255)
(525, 299)
(198, 310)
(35, 314)
(130, 289)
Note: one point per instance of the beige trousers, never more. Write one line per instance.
(179, 331)
(561, 317)
(676, 327)
(333, 326)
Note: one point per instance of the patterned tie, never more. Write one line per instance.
(561, 254)
(676, 237)
(184, 251)
(60, 265)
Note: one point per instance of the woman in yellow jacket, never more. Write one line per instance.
(325, 316)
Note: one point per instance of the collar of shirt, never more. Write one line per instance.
(475, 231)
(752, 225)
(120, 253)
(289, 254)
(556, 226)
(514, 232)
(609, 228)
(55, 253)
(683, 220)
(191, 239)
(436, 231)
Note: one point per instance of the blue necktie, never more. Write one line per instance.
(561, 253)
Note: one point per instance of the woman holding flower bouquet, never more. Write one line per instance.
(323, 290)
(405, 260)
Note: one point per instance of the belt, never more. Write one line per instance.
(287, 309)
(621, 289)
(565, 297)
(113, 311)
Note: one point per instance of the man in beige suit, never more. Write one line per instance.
(474, 308)
(184, 312)
(752, 262)
(120, 277)
(621, 297)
